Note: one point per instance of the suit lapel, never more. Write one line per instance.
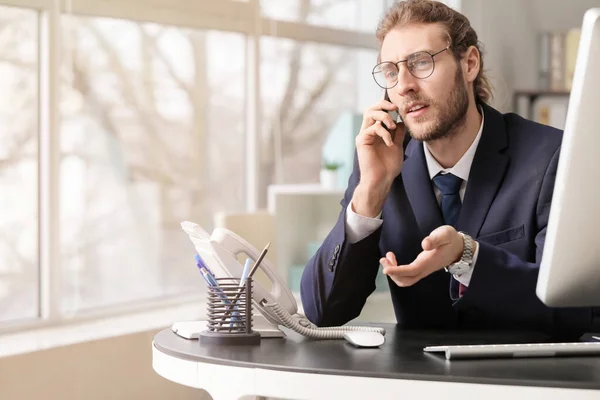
(419, 190)
(486, 175)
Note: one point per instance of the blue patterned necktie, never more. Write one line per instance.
(449, 185)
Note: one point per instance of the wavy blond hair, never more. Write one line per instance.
(457, 27)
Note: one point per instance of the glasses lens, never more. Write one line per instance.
(420, 65)
(386, 74)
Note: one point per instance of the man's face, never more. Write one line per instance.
(444, 93)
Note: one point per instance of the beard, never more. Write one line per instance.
(452, 113)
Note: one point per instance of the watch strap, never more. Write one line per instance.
(467, 254)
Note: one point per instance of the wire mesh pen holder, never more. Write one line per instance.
(230, 314)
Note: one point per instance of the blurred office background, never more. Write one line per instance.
(121, 119)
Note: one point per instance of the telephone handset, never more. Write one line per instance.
(278, 306)
(220, 251)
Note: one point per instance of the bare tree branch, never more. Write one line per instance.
(146, 173)
(17, 141)
(81, 83)
(126, 79)
(10, 161)
(19, 63)
(12, 246)
(308, 139)
(157, 148)
(169, 65)
(294, 68)
(147, 96)
(317, 92)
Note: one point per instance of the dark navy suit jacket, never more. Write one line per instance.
(505, 208)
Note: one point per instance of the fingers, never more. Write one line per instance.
(372, 117)
(439, 237)
(403, 275)
(385, 105)
(410, 270)
(377, 112)
(383, 117)
(370, 134)
(408, 275)
(440, 248)
(392, 257)
(389, 260)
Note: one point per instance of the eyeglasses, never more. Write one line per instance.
(419, 64)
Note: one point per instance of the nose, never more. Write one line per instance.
(407, 83)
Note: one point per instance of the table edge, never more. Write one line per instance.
(382, 375)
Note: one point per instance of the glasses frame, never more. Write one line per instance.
(397, 64)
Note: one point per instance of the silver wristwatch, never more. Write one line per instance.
(466, 261)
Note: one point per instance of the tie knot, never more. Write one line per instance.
(447, 183)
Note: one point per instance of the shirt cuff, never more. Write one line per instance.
(466, 277)
(359, 227)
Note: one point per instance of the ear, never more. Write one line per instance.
(471, 64)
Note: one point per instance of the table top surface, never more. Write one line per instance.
(400, 357)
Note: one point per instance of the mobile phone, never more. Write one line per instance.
(398, 120)
(394, 114)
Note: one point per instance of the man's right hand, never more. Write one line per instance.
(379, 158)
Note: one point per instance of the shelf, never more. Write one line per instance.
(305, 188)
(304, 214)
(535, 93)
(544, 106)
(315, 190)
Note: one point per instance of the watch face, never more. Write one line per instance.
(458, 268)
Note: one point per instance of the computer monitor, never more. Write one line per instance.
(570, 267)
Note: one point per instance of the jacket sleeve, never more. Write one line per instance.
(503, 286)
(341, 275)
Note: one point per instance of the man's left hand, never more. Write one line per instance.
(444, 246)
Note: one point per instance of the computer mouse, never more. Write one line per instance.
(364, 339)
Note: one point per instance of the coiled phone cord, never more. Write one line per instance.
(308, 329)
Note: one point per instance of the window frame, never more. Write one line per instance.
(223, 15)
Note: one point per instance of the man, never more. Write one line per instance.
(457, 220)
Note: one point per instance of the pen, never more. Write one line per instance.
(252, 271)
(245, 272)
(209, 278)
(260, 258)
(211, 281)
(201, 264)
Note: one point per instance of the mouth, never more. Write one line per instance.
(415, 110)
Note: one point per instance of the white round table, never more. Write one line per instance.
(298, 368)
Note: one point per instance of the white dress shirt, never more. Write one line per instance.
(359, 227)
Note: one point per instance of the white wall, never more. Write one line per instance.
(119, 368)
(509, 30)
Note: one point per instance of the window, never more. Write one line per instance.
(152, 134)
(19, 135)
(156, 122)
(361, 15)
(306, 88)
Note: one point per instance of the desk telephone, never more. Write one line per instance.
(277, 306)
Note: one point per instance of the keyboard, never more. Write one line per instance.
(517, 350)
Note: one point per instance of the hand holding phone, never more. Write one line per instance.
(379, 146)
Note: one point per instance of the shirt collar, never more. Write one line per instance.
(463, 166)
